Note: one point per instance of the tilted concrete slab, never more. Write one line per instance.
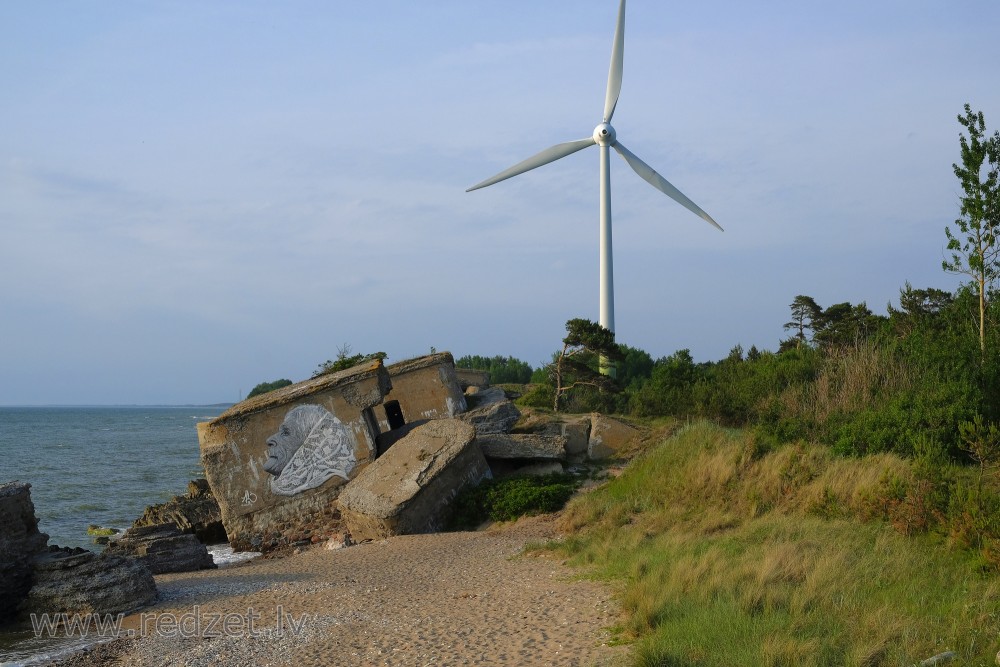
(408, 489)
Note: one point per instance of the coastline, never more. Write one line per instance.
(443, 598)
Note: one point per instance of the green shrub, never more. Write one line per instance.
(537, 396)
(509, 498)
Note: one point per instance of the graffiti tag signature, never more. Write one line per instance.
(249, 498)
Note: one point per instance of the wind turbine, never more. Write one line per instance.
(605, 137)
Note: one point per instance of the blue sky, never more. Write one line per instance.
(199, 196)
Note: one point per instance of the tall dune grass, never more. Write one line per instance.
(729, 554)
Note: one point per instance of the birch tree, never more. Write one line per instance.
(973, 245)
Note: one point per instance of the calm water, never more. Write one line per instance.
(99, 465)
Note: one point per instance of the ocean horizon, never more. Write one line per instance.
(100, 464)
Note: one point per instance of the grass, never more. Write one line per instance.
(729, 554)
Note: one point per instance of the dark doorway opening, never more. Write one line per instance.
(394, 414)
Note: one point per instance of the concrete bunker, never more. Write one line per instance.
(423, 389)
(277, 462)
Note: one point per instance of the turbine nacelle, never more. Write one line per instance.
(604, 135)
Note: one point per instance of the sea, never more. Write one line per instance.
(97, 466)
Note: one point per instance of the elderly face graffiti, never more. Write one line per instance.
(290, 436)
(310, 447)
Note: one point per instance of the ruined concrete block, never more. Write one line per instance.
(522, 446)
(577, 434)
(409, 488)
(275, 462)
(497, 417)
(469, 378)
(423, 388)
(484, 397)
(608, 437)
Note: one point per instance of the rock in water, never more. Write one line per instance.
(408, 489)
(197, 513)
(19, 542)
(163, 548)
(77, 581)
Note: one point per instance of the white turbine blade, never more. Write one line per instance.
(617, 64)
(663, 185)
(550, 154)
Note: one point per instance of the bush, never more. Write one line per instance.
(537, 396)
(510, 498)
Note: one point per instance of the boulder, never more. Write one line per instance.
(197, 513)
(497, 417)
(408, 489)
(77, 581)
(19, 542)
(163, 548)
(522, 446)
(608, 437)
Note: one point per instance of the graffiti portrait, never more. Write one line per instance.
(310, 447)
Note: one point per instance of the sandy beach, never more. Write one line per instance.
(443, 599)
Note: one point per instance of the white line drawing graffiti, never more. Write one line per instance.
(310, 447)
(249, 498)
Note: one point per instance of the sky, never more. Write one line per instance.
(196, 197)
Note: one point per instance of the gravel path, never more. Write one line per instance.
(442, 599)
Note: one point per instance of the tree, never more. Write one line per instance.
(805, 313)
(265, 387)
(635, 366)
(918, 307)
(585, 344)
(843, 325)
(669, 390)
(974, 248)
(502, 369)
(982, 442)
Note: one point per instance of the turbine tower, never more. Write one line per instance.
(605, 137)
